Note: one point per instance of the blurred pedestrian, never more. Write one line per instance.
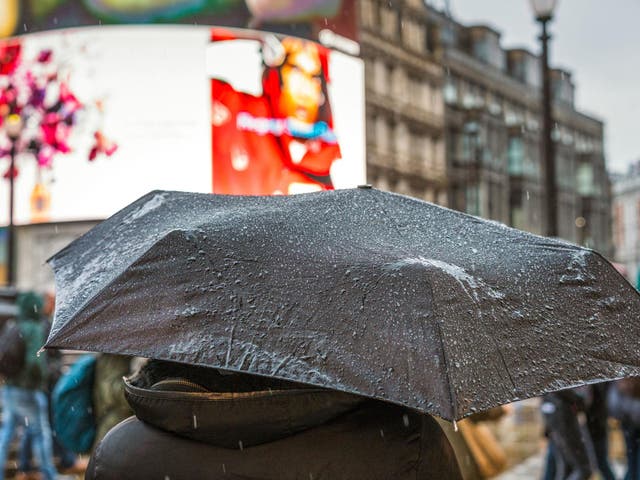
(624, 404)
(24, 401)
(68, 461)
(597, 415)
(568, 455)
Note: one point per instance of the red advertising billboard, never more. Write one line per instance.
(280, 139)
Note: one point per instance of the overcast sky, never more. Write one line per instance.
(598, 41)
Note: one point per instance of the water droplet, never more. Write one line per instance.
(405, 420)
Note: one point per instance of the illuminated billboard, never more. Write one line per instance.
(302, 18)
(283, 119)
(120, 121)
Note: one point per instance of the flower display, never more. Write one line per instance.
(37, 91)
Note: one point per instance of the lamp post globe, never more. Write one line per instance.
(543, 9)
(13, 126)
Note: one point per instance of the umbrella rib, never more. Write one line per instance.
(452, 395)
(504, 363)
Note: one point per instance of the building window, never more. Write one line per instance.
(565, 176)
(399, 85)
(618, 226)
(382, 134)
(389, 22)
(450, 92)
(401, 139)
(472, 200)
(531, 165)
(469, 142)
(515, 156)
(368, 14)
(585, 178)
(380, 78)
(413, 35)
(486, 48)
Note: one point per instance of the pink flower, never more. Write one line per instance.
(69, 100)
(8, 174)
(45, 156)
(45, 55)
(103, 145)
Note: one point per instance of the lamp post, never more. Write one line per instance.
(543, 10)
(13, 130)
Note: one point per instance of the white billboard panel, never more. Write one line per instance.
(147, 89)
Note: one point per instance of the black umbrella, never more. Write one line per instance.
(356, 290)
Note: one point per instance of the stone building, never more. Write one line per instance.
(449, 108)
(493, 130)
(493, 126)
(626, 220)
(404, 103)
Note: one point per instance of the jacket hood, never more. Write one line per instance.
(229, 410)
(30, 306)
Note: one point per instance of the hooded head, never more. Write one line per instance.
(29, 306)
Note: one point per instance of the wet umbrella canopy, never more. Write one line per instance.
(355, 290)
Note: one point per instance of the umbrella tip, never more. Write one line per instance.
(366, 186)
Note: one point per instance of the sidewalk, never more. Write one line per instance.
(531, 468)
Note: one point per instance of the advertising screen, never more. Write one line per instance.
(302, 18)
(107, 114)
(286, 115)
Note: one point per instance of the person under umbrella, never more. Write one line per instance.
(357, 291)
(196, 422)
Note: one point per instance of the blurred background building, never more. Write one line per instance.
(418, 58)
(626, 220)
(404, 102)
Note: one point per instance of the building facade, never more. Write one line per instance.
(450, 110)
(493, 130)
(404, 102)
(626, 221)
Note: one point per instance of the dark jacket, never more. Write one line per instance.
(241, 427)
(33, 329)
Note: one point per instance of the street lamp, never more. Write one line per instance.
(13, 128)
(543, 10)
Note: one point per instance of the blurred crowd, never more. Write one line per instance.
(86, 398)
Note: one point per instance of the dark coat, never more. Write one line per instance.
(285, 432)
